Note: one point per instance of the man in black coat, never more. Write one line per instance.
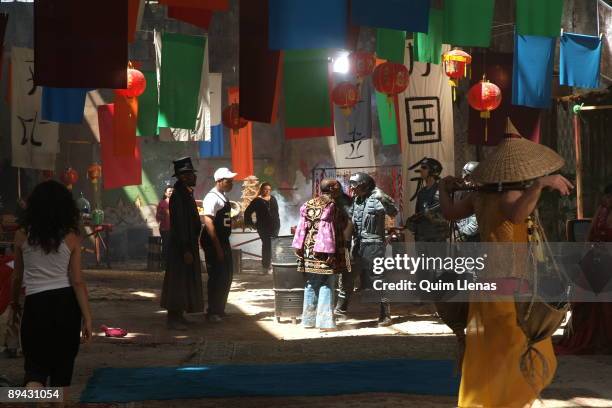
(182, 289)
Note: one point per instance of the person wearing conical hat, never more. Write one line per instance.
(491, 370)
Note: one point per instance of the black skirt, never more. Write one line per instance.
(50, 336)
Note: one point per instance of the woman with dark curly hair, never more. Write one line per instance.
(48, 265)
(265, 208)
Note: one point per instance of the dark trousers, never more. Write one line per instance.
(266, 247)
(220, 275)
(346, 287)
(165, 236)
(50, 336)
(363, 264)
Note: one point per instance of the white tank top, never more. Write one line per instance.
(43, 271)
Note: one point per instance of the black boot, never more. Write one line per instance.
(175, 320)
(384, 319)
(342, 306)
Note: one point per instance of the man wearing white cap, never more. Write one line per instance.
(216, 243)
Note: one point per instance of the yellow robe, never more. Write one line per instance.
(491, 375)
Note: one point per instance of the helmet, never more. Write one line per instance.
(360, 178)
(469, 168)
(434, 166)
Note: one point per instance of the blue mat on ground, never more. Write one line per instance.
(424, 377)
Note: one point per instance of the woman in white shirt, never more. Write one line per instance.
(48, 266)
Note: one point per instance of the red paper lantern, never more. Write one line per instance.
(231, 118)
(456, 63)
(94, 172)
(346, 96)
(485, 96)
(136, 84)
(391, 78)
(362, 63)
(70, 177)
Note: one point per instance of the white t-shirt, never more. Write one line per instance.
(213, 201)
(42, 272)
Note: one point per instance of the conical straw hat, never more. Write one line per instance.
(517, 159)
(510, 129)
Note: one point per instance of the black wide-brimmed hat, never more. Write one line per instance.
(183, 165)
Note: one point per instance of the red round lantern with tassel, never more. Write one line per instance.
(231, 118)
(456, 63)
(391, 78)
(362, 63)
(94, 172)
(485, 96)
(136, 84)
(346, 96)
(70, 177)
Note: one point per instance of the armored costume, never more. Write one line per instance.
(427, 223)
(368, 215)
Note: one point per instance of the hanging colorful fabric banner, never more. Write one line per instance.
(214, 5)
(34, 141)
(403, 15)
(216, 99)
(426, 117)
(387, 120)
(118, 171)
(199, 17)
(390, 45)
(181, 66)
(202, 128)
(97, 55)
(579, 60)
(604, 11)
(125, 120)
(148, 106)
(302, 25)
(467, 23)
(214, 148)
(354, 144)
(533, 70)
(498, 69)
(428, 46)
(307, 87)
(541, 17)
(241, 143)
(356, 124)
(63, 105)
(135, 12)
(260, 82)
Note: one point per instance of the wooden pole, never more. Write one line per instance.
(578, 148)
(599, 107)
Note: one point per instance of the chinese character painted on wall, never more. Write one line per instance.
(423, 115)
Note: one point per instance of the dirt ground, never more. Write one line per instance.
(251, 334)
